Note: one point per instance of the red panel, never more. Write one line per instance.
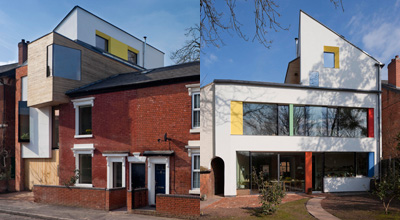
(370, 122)
(308, 171)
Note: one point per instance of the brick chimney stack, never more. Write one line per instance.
(394, 72)
(22, 51)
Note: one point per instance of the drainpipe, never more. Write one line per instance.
(144, 49)
(378, 138)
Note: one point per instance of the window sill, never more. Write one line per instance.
(84, 136)
(83, 185)
(195, 130)
(194, 191)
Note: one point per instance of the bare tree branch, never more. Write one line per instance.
(191, 50)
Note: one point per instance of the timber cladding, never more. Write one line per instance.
(42, 171)
(43, 90)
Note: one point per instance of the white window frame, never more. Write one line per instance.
(82, 149)
(115, 158)
(193, 89)
(194, 190)
(151, 185)
(80, 103)
(136, 158)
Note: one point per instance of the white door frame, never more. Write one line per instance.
(151, 184)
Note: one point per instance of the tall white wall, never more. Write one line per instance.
(39, 145)
(226, 144)
(69, 27)
(357, 70)
(207, 125)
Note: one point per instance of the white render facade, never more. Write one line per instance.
(352, 85)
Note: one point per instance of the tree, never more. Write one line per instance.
(191, 49)
(212, 21)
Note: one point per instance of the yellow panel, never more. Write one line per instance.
(133, 49)
(236, 117)
(334, 50)
(118, 48)
(42, 171)
(103, 35)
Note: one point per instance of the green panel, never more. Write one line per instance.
(291, 130)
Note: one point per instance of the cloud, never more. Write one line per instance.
(210, 59)
(7, 62)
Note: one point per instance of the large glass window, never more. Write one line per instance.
(353, 122)
(63, 62)
(196, 110)
(85, 169)
(260, 119)
(333, 122)
(101, 43)
(23, 121)
(299, 120)
(267, 163)
(283, 120)
(316, 121)
(85, 120)
(117, 174)
(138, 175)
(243, 170)
(196, 171)
(132, 57)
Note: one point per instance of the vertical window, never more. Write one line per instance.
(63, 62)
(138, 173)
(299, 120)
(49, 60)
(55, 127)
(23, 121)
(316, 121)
(85, 168)
(196, 110)
(333, 122)
(132, 57)
(196, 171)
(24, 88)
(260, 119)
(353, 122)
(329, 60)
(283, 120)
(101, 43)
(117, 174)
(85, 120)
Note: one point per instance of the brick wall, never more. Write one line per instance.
(94, 198)
(140, 198)
(178, 205)
(143, 116)
(207, 184)
(390, 122)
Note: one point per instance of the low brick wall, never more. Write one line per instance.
(206, 184)
(94, 198)
(7, 186)
(137, 198)
(178, 205)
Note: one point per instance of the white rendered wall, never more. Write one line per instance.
(69, 27)
(39, 145)
(226, 144)
(346, 184)
(207, 126)
(357, 70)
(87, 24)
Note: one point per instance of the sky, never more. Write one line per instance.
(373, 26)
(162, 21)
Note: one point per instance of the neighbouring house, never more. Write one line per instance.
(317, 131)
(7, 128)
(390, 111)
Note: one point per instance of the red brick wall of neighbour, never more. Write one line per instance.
(133, 121)
(140, 199)
(179, 205)
(207, 184)
(390, 122)
(19, 162)
(94, 198)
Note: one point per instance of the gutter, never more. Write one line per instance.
(379, 108)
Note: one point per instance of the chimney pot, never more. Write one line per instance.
(22, 52)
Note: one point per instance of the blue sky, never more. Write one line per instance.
(162, 21)
(374, 26)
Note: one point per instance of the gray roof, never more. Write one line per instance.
(8, 70)
(130, 80)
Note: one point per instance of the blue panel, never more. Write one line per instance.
(370, 164)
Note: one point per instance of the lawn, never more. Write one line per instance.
(290, 210)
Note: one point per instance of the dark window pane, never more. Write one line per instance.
(329, 60)
(67, 62)
(339, 164)
(243, 170)
(196, 171)
(333, 122)
(283, 120)
(260, 119)
(49, 60)
(362, 164)
(196, 110)
(117, 174)
(101, 43)
(353, 122)
(196, 162)
(138, 175)
(55, 125)
(196, 101)
(196, 119)
(299, 120)
(132, 57)
(23, 121)
(85, 168)
(85, 120)
(316, 121)
(196, 180)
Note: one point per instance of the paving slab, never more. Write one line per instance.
(315, 209)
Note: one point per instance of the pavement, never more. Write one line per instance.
(20, 205)
(315, 209)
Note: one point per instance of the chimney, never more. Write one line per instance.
(22, 51)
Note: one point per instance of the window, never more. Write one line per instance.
(24, 88)
(132, 57)
(316, 121)
(55, 127)
(329, 60)
(196, 110)
(101, 43)
(63, 62)
(314, 79)
(117, 174)
(195, 171)
(85, 168)
(83, 154)
(352, 122)
(115, 169)
(138, 175)
(23, 121)
(346, 164)
(83, 117)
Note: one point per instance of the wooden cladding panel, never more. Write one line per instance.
(42, 171)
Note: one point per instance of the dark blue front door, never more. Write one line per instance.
(160, 178)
